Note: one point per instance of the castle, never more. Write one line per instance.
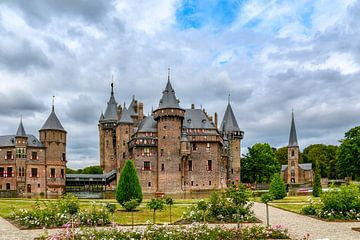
(174, 149)
(29, 165)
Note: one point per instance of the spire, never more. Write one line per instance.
(132, 107)
(169, 99)
(111, 108)
(101, 117)
(52, 122)
(53, 104)
(21, 131)
(293, 137)
(125, 116)
(229, 123)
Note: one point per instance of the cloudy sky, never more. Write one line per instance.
(271, 56)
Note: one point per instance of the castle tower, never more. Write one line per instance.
(293, 154)
(232, 138)
(107, 134)
(53, 137)
(21, 155)
(169, 116)
(123, 133)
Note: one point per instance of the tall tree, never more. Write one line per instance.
(129, 186)
(277, 187)
(260, 164)
(323, 156)
(348, 154)
(281, 155)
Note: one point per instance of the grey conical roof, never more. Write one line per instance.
(52, 123)
(21, 131)
(111, 108)
(148, 124)
(293, 137)
(101, 117)
(125, 116)
(168, 99)
(229, 123)
(132, 107)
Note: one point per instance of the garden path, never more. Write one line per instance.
(300, 225)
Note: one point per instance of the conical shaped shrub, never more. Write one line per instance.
(129, 186)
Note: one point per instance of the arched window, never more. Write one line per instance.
(292, 152)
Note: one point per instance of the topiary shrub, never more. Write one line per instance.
(129, 186)
(317, 183)
(277, 187)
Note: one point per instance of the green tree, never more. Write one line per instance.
(260, 164)
(348, 154)
(281, 155)
(130, 206)
(277, 187)
(169, 201)
(202, 206)
(266, 198)
(156, 205)
(322, 155)
(317, 181)
(92, 170)
(128, 187)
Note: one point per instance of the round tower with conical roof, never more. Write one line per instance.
(169, 116)
(53, 137)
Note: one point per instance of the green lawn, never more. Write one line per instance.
(293, 207)
(293, 204)
(141, 216)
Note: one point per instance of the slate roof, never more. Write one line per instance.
(80, 175)
(293, 138)
(21, 131)
(229, 123)
(52, 123)
(169, 99)
(148, 124)
(303, 166)
(111, 108)
(196, 118)
(125, 116)
(9, 141)
(132, 108)
(101, 117)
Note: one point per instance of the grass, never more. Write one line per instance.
(141, 216)
(292, 207)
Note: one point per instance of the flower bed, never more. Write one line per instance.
(59, 213)
(191, 232)
(336, 204)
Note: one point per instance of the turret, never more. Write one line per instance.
(123, 133)
(21, 141)
(53, 137)
(107, 134)
(293, 154)
(169, 116)
(232, 138)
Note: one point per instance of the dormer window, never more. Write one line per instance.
(203, 121)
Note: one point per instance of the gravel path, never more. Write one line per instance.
(300, 225)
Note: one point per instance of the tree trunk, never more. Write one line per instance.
(267, 215)
(170, 214)
(132, 219)
(154, 217)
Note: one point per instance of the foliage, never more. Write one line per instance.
(309, 209)
(110, 207)
(131, 205)
(317, 182)
(259, 164)
(129, 186)
(324, 156)
(60, 212)
(277, 187)
(281, 155)
(266, 198)
(86, 170)
(192, 232)
(348, 154)
(156, 205)
(224, 206)
(169, 201)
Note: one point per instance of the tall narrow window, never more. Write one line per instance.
(190, 165)
(9, 172)
(147, 166)
(1, 172)
(292, 152)
(62, 173)
(162, 167)
(34, 156)
(9, 155)
(52, 172)
(63, 156)
(34, 172)
(209, 166)
(194, 147)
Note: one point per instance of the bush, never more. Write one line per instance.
(277, 187)
(194, 231)
(308, 210)
(60, 212)
(128, 187)
(223, 207)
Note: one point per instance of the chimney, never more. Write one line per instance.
(216, 119)
(192, 106)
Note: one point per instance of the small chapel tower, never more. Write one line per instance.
(293, 155)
